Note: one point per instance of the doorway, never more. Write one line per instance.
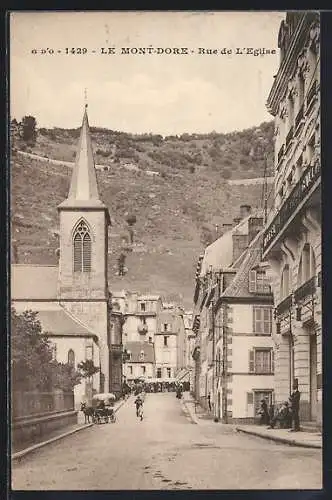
(313, 376)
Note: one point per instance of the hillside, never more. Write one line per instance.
(176, 210)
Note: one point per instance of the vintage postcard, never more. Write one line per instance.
(165, 250)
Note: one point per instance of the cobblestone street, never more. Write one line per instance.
(163, 452)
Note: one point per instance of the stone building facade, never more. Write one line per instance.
(292, 238)
(232, 320)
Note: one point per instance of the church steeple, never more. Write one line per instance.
(83, 191)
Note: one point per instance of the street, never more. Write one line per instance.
(166, 451)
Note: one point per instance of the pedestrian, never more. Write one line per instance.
(209, 401)
(263, 413)
(271, 413)
(295, 406)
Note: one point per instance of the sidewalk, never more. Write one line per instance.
(301, 438)
(57, 434)
(199, 415)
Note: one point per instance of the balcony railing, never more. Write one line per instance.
(289, 136)
(285, 305)
(311, 95)
(307, 289)
(281, 153)
(299, 117)
(287, 210)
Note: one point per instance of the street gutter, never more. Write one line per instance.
(16, 457)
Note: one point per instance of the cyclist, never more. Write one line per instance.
(139, 406)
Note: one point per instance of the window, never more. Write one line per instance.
(71, 357)
(307, 265)
(143, 370)
(89, 352)
(258, 282)
(284, 285)
(261, 361)
(158, 372)
(150, 340)
(130, 370)
(144, 320)
(141, 356)
(165, 327)
(168, 372)
(82, 249)
(142, 305)
(262, 320)
(165, 341)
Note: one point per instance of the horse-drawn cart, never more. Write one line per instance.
(103, 408)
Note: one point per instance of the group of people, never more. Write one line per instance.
(286, 416)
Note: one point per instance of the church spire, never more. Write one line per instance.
(83, 184)
(83, 191)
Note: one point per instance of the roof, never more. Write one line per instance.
(148, 297)
(83, 187)
(135, 348)
(220, 253)
(23, 276)
(239, 287)
(61, 323)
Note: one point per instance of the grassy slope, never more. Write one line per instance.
(176, 212)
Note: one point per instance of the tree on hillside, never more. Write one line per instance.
(29, 129)
(33, 366)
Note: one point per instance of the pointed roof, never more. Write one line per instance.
(83, 190)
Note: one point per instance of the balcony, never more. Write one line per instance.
(289, 137)
(142, 329)
(291, 204)
(280, 155)
(306, 290)
(284, 306)
(311, 96)
(299, 117)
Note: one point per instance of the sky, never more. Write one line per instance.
(153, 93)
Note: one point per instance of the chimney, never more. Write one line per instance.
(240, 243)
(245, 210)
(255, 224)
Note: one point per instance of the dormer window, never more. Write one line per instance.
(258, 282)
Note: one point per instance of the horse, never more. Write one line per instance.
(88, 412)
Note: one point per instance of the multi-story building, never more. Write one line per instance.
(292, 239)
(189, 348)
(169, 342)
(153, 336)
(233, 321)
(116, 348)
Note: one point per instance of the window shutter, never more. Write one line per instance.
(252, 281)
(272, 360)
(251, 361)
(250, 398)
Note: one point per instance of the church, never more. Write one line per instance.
(73, 299)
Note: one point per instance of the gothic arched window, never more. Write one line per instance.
(82, 249)
(71, 357)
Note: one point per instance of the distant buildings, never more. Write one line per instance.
(292, 238)
(153, 337)
(232, 320)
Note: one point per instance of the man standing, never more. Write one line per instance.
(209, 401)
(295, 406)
